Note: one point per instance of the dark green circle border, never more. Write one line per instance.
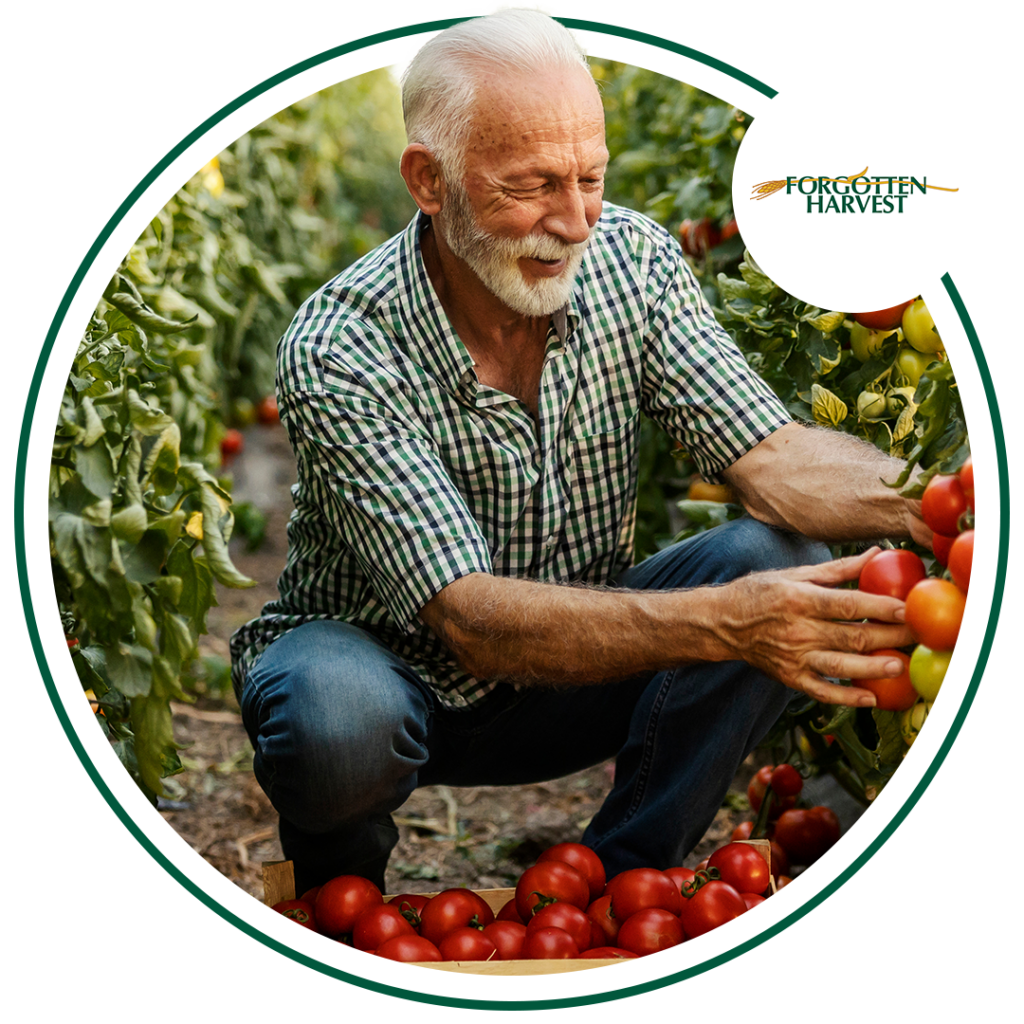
(184, 880)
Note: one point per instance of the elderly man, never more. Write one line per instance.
(458, 605)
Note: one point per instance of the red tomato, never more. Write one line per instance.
(266, 411)
(806, 834)
(310, 894)
(697, 237)
(680, 875)
(583, 859)
(786, 780)
(565, 916)
(961, 555)
(650, 931)
(341, 901)
(601, 916)
(892, 693)
(409, 949)
(729, 229)
(508, 938)
(891, 573)
(742, 831)
(780, 861)
(712, 905)
(508, 912)
(378, 924)
(943, 503)
(640, 889)
(751, 899)
(550, 944)
(935, 609)
(451, 909)
(300, 911)
(742, 867)
(231, 444)
(782, 881)
(941, 546)
(967, 481)
(883, 319)
(552, 880)
(759, 787)
(467, 944)
(607, 953)
(410, 904)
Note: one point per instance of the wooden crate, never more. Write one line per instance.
(279, 884)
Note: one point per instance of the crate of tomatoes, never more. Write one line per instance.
(562, 915)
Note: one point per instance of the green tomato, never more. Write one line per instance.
(912, 364)
(898, 399)
(865, 343)
(912, 719)
(872, 406)
(927, 670)
(919, 328)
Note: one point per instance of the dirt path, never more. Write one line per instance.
(481, 837)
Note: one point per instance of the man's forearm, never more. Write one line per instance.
(826, 485)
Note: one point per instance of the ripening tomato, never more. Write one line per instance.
(786, 780)
(919, 328)
(378, 924)
(701, 490)
(912, 364)
(891, 573)
(697, 237)
(298, 910)
(729, 229)
(943, 503)
(231, 444)
(865, 343)
(967, 481)
(266, 411)
(912, 719)
(928, 669)
(935, 609)
(892, 693)
(883, 319)
(961, 555)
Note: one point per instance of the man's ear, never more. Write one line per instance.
(423, 178)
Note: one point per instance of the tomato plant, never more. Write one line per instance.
(935, 609)
(891, 573)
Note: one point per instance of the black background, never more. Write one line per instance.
(103, 105)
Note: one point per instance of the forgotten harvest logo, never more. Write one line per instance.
(858, 193)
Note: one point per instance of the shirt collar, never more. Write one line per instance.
(426, 328)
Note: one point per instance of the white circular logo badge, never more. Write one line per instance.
(855, 188)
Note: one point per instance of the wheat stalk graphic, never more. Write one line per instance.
(769, 188)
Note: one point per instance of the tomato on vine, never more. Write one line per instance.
(891, 573)
(943, 503)
(742, 867)
(961, 556)
(892, 693)
(934, 611)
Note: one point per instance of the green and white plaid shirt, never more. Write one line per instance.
(412, 474)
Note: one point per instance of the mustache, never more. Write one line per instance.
(540, 247)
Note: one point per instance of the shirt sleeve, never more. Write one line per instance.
(375, 476)
(698, 386)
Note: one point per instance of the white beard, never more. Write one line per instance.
(495, 260)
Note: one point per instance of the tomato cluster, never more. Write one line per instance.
(934, 603)
(562, 908)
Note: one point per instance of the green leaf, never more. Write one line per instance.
(198, 594)
(130, 523)
(826, 407)
(144, 561)
(130, 667)
(96, 469)
(891, 746)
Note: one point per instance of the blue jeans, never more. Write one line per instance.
(344, 731)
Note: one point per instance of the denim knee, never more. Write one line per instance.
(338, 725)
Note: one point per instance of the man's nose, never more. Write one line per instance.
(568, 216)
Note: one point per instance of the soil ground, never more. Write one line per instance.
(479, 837)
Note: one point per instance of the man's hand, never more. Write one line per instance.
(794, 626)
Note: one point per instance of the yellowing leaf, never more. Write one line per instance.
(194, 526)
(826, 407)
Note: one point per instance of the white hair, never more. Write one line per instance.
(439, 86)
